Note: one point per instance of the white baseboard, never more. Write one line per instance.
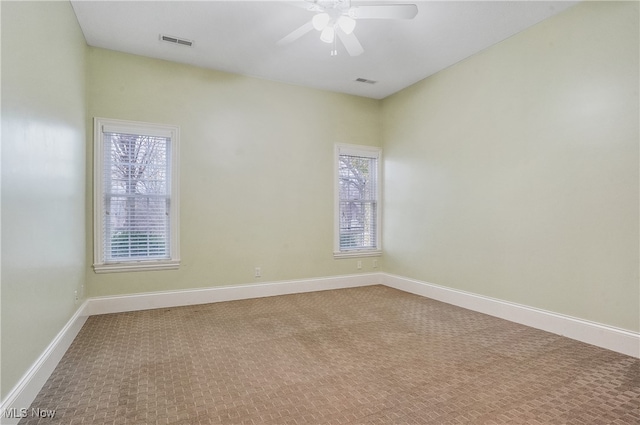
(146, 301)
(26, 390)
(31, 383)
(609, 337)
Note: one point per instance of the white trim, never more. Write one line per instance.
(25, 391)
(28, 387)
(357, 253)
(137, 266)
(101, 125)
(151, 300)
(133, 127)
(609, 337)
(604, 336)
(365, 151)
(359, 150)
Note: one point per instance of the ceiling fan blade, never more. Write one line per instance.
(384, 11)
(295, 34)
(351, 43)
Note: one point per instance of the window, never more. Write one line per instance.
(135, 196)
(357, 201)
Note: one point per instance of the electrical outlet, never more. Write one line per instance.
(258, 272)
(75, 294)
(375, 263)
(359, 265)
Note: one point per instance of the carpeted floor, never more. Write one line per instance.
(371, 355)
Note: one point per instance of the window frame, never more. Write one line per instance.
(365, 151)
(100, 265)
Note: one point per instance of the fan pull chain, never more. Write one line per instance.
(334, 52)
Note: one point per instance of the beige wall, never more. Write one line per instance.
(514, 174)
(43, 178)
(256, 169)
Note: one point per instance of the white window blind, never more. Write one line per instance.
(136, 196)
(358, 197)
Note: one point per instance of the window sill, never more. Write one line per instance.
(136, 266)
(356, 253)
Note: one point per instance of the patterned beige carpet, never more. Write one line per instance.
(371, 355)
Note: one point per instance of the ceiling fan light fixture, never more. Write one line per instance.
(336, 19)
(347, 24)
(328, 34)
(320, 21)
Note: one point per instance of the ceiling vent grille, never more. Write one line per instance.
(176, 40)
(364, 80)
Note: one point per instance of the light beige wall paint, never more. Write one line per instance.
(256, 169)
(514, 174)
(43, 178)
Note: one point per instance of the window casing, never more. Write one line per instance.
(357, 204)
(136, 205)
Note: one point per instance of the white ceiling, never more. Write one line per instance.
(241, 36)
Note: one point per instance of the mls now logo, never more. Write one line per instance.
(19, 413)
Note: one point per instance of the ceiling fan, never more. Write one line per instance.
(338, 18)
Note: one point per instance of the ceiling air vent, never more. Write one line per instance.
(364, 80)
(176, 40)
